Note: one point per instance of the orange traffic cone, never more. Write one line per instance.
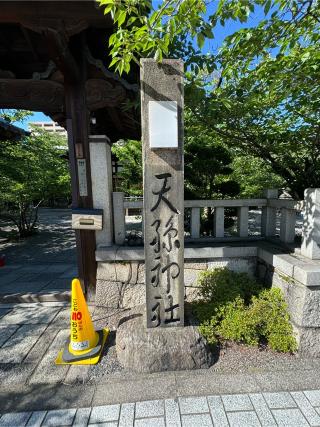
(85, 344)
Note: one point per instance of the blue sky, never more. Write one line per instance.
(210, 45)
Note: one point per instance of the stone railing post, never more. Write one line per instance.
(101, 178)
(242, 224)
(310, 246)
(195, 223)
(268, 218)
(287, 225)
(218, 222)
(119, 218)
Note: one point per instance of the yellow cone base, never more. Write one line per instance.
(65, 357)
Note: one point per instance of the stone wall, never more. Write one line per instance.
(121, 284)
(303, 300)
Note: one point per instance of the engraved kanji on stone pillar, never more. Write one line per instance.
(163, 207)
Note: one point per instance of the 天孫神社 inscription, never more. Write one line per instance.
(162, 136)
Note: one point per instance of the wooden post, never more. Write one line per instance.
(79, 158)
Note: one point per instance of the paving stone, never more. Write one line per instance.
(31, 329)
(62, 319)
(308, 411)
(32, 268)
(163, 387)
(82, 417)
(217, 411)
(59, 417)
(245, 418)
(126, 415)
(4, 311)
(47, 371)
(262, 410)
(35, 313)
(193, 405)
(172, 413)
(10, 277)
(99, 414)
(150, 422)
(77, 374)
(17, 348)
(199, 420)
(45, 277)
(41, 346)
(59, 268)
(237, 402)
(59, 284)
(150, 408)
(36, 419)
(111, 424)
(14, 419)
(289, 418)
(15, 374)
(23, 287)
(203, 384)
(6, 331)
(279, 400)
(313, 396)
(33, 277)
(70, 273)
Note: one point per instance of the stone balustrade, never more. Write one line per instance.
(269, 206)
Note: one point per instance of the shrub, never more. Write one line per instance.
(235, 307)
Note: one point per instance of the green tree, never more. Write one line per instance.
(129, 155)
(254, 175)
(207, 163)
(259, 93)
(31, 170)
(146, 28)
(14, 115)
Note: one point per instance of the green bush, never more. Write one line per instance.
(235, 307)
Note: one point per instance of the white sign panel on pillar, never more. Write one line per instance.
(163, 124)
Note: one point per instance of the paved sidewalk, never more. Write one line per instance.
(40, 268)
(295, 409)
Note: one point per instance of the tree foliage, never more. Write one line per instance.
(31, 170)
(259, 93)
(207, 163)
(14, 115)
(146, 28)
(129, 155)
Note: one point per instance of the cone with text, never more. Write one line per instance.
(85, 345)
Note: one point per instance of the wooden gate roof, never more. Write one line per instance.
(39, 41)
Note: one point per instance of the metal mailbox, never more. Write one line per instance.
(87, 219)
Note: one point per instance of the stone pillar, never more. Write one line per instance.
(269, 215)
(163, 202)
(218, 226)
(242, 224)
(195, 223)
(119, 218)
(101, 177)
(311, 224)
(287, 225)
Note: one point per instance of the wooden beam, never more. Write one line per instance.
(26, 35)
(48, 96)
(60, 54)
(74, 16)
(33, 95)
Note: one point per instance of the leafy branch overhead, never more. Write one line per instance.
(141, 29)
(257, 93)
